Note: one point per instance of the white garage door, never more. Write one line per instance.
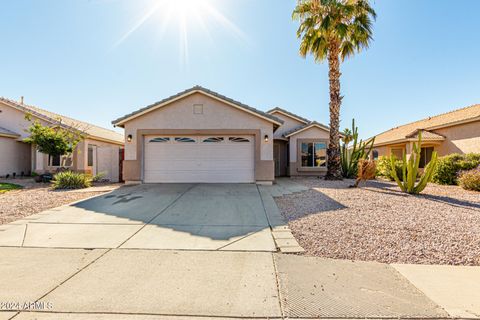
(199, 159)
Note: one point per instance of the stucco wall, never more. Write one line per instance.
(463, 138)
(288, 124)
(107, 158)
(313, 133)
(14, 120)
(14, 157)
(216, 115)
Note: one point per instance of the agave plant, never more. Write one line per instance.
(351, 155)
(410, 170)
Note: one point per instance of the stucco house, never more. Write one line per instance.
(201, 136)
(457, 131)
(99, 152)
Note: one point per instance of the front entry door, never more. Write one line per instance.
(276, 159)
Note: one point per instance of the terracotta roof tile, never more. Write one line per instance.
(442, 120)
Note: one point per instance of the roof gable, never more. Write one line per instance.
(288, 114)
(306, 127)
(92, 131)
(197, 89)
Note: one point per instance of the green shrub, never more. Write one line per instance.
(470, 179)
(71, 180)
(449, 167)
(383, 168)
(99, 177)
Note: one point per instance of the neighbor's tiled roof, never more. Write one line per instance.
(90, 129)
(426, 135)
(439, 121)
(207, 91)
(291, 114)
(300, 128)
(5, 131)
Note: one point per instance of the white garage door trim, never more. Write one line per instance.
(202, 159)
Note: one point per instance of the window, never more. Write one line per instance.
(160, 139)
(238, 139)
(60, 161)
(213, 139)
(90, 156)
(425, 156)
(184, 139)
(375, 154)
(314, 154)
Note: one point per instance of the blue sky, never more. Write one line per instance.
(73, 57)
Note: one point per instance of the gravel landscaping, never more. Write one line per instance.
(379, 223)
(37, 197)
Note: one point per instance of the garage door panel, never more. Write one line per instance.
(224, 161)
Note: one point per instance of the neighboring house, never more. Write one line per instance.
(201, 136)
(457, 131)
(99, 152)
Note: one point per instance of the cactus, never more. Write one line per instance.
(410, 170)
(359, 150)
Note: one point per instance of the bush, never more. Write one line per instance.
(470, 179)
(383, 168)
(99, 177)
(449, 167)
(71, 180)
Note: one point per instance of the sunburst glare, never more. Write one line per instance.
(185, 16)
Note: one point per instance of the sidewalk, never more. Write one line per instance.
(167, 284)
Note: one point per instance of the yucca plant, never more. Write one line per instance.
(410, 170)
(351, 156)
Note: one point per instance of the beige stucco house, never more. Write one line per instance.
(457, 131)
(99, 152)
(201, 136)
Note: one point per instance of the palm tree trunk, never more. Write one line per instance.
(334, 169)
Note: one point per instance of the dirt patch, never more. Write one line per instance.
(35, 198)
(379, 223)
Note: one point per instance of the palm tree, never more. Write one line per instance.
(333, 30)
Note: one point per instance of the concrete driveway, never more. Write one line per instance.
(155, 216)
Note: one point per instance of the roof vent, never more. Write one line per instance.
(21, 100)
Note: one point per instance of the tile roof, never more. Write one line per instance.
(291, 114)
(4, 131)
(302, 127)
(90, 129)
(198, 89)
(400, 133)
(426, 135)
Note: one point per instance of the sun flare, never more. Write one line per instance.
(182, 17)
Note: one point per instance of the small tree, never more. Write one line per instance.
(54, 141)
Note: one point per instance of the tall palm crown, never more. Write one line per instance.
(333, 30)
